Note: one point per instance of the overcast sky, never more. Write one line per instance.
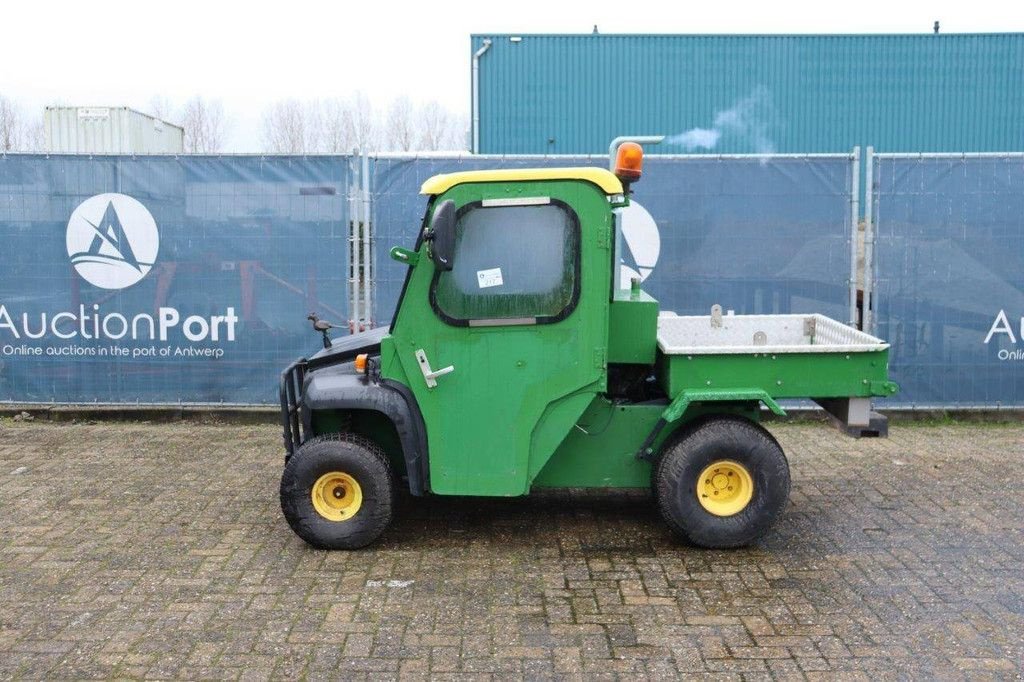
(250, 53)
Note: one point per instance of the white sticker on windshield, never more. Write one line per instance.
(489, 278)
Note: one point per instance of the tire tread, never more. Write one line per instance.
(704, 529)
(307, 524)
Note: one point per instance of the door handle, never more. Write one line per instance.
(430, 375)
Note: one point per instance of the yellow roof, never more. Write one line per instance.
(599, 176)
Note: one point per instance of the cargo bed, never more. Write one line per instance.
(781, 356)
(744, 334)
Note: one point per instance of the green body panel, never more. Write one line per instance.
(781, 375)
(600, 452)
(551, 428)
(632, 328)
(516, 391)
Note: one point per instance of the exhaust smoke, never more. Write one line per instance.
(746, 122)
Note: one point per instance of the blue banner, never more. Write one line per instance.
(949, 267)
(165, 279)
(173, 280)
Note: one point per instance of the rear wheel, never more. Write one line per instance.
(337, 492)
(723, 484)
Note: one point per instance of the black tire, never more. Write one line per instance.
(356, 457)
(729, 439)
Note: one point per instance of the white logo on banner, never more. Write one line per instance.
(112, 240)
(1001, 326)
(643, 243)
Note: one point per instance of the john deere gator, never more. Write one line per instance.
(517, 360)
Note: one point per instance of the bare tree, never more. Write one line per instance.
(336, 126)
(34, 136)
(331, 126)
(363, 125)
(433, 123)
(459, 134)
(161, 107)
(19, 133)
(10, 126)
(336, 130)
(400, 132)
(285, 128)
(205, 126)
(313, 124)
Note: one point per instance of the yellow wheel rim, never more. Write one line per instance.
(725, 488)
(337, 496)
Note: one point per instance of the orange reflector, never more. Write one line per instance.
(361, 363)
(629, 162)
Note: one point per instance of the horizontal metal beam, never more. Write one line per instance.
(949, 155)
(913, 407)
(175, 155)
(602, 158)
(594, 157)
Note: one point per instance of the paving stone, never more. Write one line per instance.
(158, 550)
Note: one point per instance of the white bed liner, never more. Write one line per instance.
(748, 334)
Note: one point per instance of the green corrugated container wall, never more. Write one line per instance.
(571, 94)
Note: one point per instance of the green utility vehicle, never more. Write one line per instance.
(516, 361)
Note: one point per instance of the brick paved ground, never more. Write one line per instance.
(159, 551)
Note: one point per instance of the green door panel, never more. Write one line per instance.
(517, 388)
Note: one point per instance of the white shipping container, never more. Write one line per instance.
(110, 130)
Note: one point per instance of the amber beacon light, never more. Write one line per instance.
(629, 162)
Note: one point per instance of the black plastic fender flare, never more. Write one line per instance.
(340, 387)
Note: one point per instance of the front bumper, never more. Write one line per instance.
(295, 428)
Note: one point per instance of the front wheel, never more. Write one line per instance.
(723, 484)
(337, 492)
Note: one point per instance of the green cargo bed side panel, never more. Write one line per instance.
(781, 375)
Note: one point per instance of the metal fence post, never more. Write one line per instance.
(868, 320)
(854, 230)
(354, 214)
(367, 279)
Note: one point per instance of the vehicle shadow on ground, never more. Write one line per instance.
(564, 521)
(627, 522)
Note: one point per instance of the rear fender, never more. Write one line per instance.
(689, 406)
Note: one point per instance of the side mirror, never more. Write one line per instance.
(442, 235)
